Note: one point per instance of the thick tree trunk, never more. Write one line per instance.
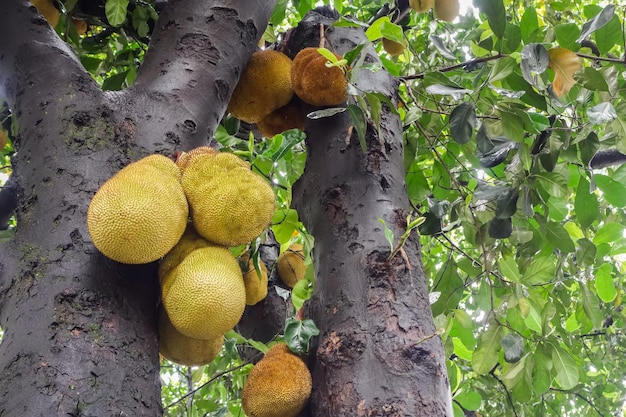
(374, 356)
(80, 330)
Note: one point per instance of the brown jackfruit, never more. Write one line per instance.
(140, 213)
(393, 48)
(184, 350)
(290, 265)
(446, 10)
(230, 204)
(279, 385)
(204, 295)
(48, 10)
(314, 82)
(421, 5)
(264, 86)
(256, 286)
(284, 118)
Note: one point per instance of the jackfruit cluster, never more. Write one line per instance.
(264, 92)
(279, 385)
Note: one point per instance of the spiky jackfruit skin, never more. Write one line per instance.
(189, 241)
(184, 158)
(140, 213)
(314, 82)
(184, 350)
(264, 86)
(290, 265)
(256, 286)
(204, 295)
(279, 385)
(284, 118)
(230, 205)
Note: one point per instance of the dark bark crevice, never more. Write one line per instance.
(8, 202)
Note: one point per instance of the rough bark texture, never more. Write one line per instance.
(371, 358)
(80, 330)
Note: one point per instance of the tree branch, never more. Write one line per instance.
(196, 54)
(469, 63)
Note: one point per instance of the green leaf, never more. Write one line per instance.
(559, 238)
(592, 79)
(608, 36)
(513, 346)
(470, 400)
(529, 24)
(585, 204)
(608, 233)
(566, 369)
(360, 124)
(602, 113)
(605, 287)
(115, 11)
(508, 268)
(441, 47)
(540, 270)
(486, 354)
(601, 19)
(533, 319)
(535, 61)
(388, 234)
(284, 223)
(591, 306)
(303, 290)
(553, 183)
(298, 334)
(502, 69)
(586, 253)
(462, 122)
(496, 16)
(613, 191)
(567, 35)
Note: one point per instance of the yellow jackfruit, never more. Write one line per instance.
(256, 287)
(421, 5)
(447, 10)
(230, 204)
(189, 241)
(264, 86)
(314, 82)
(204, 295)
(290, 265)
(183, 158)
(140, 213)
(184, 350)
(279, 385)
(48, 10)
(284, 118)
(393, 48)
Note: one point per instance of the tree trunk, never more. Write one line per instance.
(375, 355)
(80, 330)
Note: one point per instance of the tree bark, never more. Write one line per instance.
(80, 330)
(376, 354)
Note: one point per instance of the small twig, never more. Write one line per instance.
(219, 375)
(597, 58)
(430, 336)
(455, 66)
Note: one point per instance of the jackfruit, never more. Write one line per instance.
(230, 204)
(3, 138)
(284, 118)
(183, 158)
(256, 287)
(204, 295)
(421, 5)
(279, 385)
(80, 25)
(48, 10)
(140, 213)
(290, 265)
(264, 86)
(184, 350)
(314, 82)
(393, 48)
(446, 10)
(189, 241)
